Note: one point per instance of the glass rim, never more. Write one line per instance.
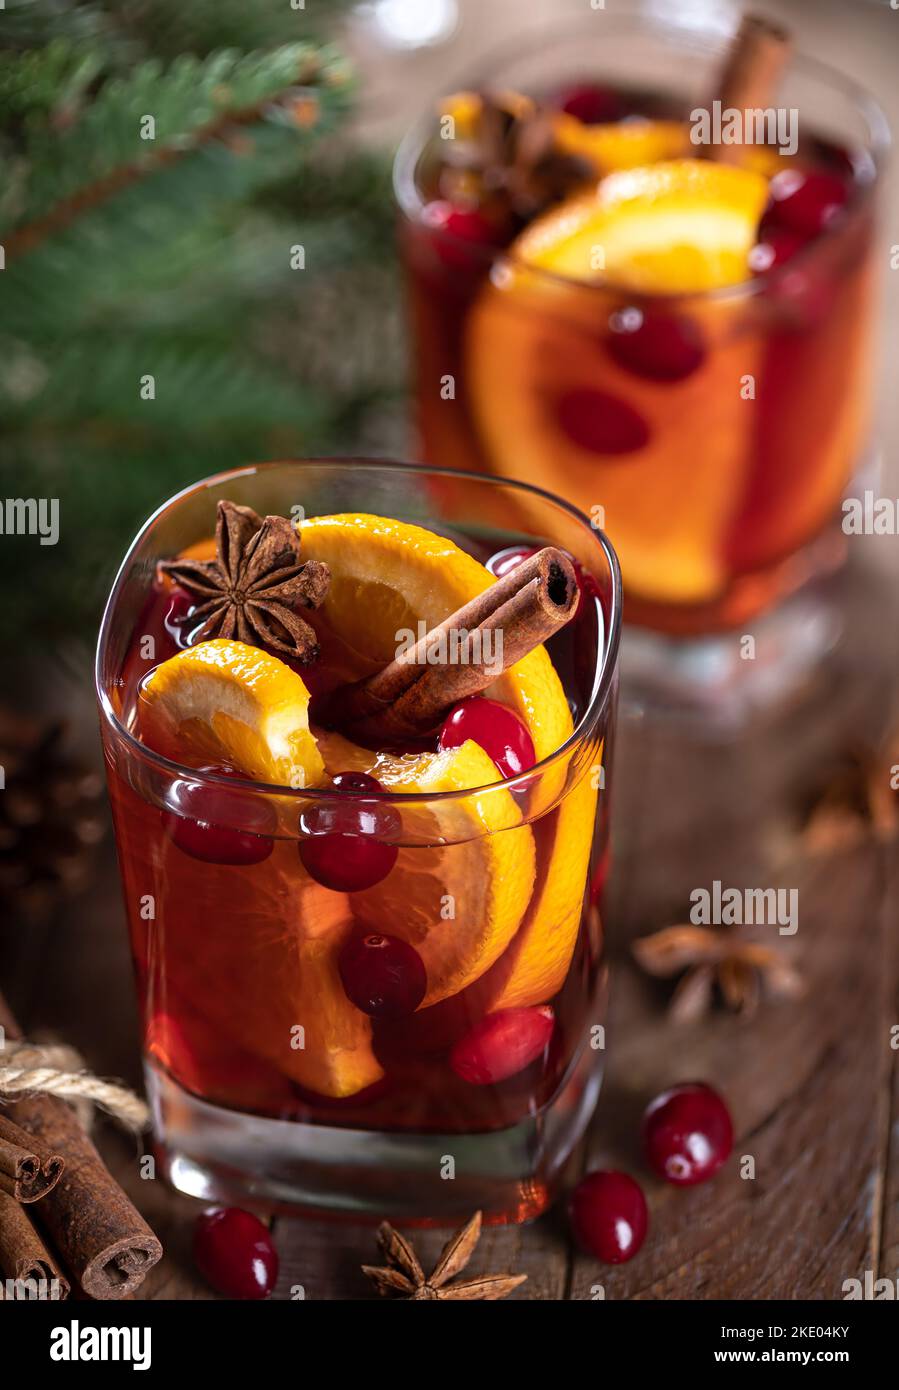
(410, 203)
(606, 657)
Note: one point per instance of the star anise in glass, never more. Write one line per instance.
(253, 587)
(514, 151)
(726, 957)
(403, 1277)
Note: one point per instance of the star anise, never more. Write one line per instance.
(252, 588)
(403, 1277)
(514, 150)
(724, 956)
(857, 796)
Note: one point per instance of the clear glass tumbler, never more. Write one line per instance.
(267, 1083)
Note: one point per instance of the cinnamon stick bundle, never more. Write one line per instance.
(97, 1231)
(462, 655)
(28, 1171)
(23, 1255)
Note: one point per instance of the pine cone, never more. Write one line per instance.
(51, 818)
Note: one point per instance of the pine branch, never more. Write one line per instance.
(199, 388)
(192, 104)
(175, 26)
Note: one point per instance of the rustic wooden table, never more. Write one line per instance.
(814, 1084)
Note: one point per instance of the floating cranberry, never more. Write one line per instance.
(382, 975)
(806, 203)
(502, 1045)
(775, 246)
(599, 422)
(590, 103)
(234, 1253)
(608, 1216)
(204, 827)
(460, 233)
(175, 620)
(687, 1133)
(496, 728)
(346, 842)
(662, 347)
(503, 561)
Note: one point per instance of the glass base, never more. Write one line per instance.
(511, 1175)
(717, 683)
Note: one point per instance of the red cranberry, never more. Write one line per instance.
(503, 561)
(502, 1045)
(806, 203)
(345, 845)
(234, 1253)
(775, 246)
(496, 728)
(603, 424)
(661, 347)
(608, 1216)
(459, 233)
(383, 976)
(202, 830)
(688, 1134)
(590, 103)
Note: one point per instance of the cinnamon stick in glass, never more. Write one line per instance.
(750, 76)
(96, 1230)
(28, 1171)
(411, 695)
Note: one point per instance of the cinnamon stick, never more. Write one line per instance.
(462, 655)
(750, 75)
(23, 1255)
(97, 1231)
(28, 1170)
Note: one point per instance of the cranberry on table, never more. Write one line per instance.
(234, 1252)
(688, 1134)
(661, 347)
(600, 422)
(806, 202)
(590, 103)
(496, 728)
(502, 1045)
(382, 975)
(345, 844)
(608, 1216)
(204, 827)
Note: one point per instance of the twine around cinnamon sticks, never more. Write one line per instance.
(45, 1154)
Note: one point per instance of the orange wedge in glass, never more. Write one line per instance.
(666, 460)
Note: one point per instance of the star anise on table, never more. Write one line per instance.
(253, 587)
(741, 968)
(856, 796)
(403, 1277)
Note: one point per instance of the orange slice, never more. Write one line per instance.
(460, 892)
(228, 702)
(536, 340)
(387, 576)
(621, 144)
(534, 967)
(260, 951)
(676, 227)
